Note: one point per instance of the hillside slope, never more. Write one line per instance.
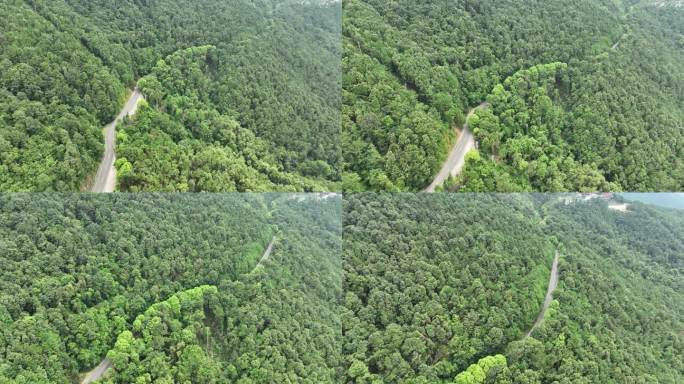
(444, 288)
(413, 69)
(79, 269)
(274, 71)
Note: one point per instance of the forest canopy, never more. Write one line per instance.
(386, 288)
(171, 288)
(273, 80)
(607, 117)
(445, 289)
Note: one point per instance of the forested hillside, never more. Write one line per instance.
(170, 287)
(582, 95)
(55, 96)
(444, 288)
(272, 80)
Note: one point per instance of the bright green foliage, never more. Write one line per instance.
(484, 371)
(605, 113)
(175, 324)
(274, 73)
(391, 140)
(577, 130)
(55, 97)
(620, 295)
(254, 329)
(443, 289)
(181, 142)
(523, 127)
(433, 284)
(166, 287)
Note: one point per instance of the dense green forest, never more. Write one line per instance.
(583, 95)
(444, 289)
(55, 96)
(259, 112)
(172, 288)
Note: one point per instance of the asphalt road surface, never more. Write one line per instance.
(456, 159)
(553, 283)
(105, 179)
(97, 372)
(266, 254)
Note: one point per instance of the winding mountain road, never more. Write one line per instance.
(105, 179)
(553, 283)
(454, 163)
(105, 364)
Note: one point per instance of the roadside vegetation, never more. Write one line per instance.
(167, 287)
(272, 80)
(444, 288)
(584, 95)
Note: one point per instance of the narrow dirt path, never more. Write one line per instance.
(105, 179)
(456, 159)
(553, 283)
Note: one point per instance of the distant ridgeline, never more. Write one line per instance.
(443, 289)
(583, 95)
(669, 200)
(144, 281)
(260, 111)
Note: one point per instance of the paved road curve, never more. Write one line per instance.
(105, 179)
(456, 159)
(97, 372)
(553, 283)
